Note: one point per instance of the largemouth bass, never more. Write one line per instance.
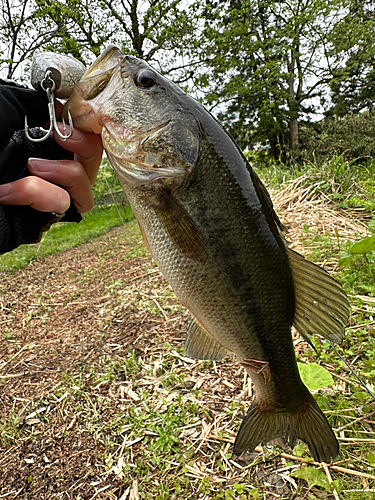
(211, 228)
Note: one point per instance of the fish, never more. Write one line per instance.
(210, 225)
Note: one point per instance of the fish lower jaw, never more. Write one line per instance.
(136, 173)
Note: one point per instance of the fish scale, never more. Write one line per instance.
(211, 228)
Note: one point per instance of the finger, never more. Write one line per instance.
(67, 173)
(37, 193)
(87, 148)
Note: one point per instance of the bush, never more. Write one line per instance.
(351, 137)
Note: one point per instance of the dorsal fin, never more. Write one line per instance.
(321, 305)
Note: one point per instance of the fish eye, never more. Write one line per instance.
(145, 79)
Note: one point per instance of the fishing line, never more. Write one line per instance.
(352, 371)
(114, 201)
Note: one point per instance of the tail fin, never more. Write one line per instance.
(306, 423)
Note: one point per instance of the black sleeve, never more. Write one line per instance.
(23, 224)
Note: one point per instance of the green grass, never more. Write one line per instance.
(358, 348)
(66, 235)
(155, 416)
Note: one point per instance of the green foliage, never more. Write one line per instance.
(337, 177)
(72, 21)
(346, 183)
(358, 277)
(257, 61)
(21, 33)
(362, 247)
(351, 137)
(235, 492)
(353, 85)
(300, 450)
(156, 30)
(314, 376)
(66, 235)
(10, 430)
(252, 60)
(314, 477)
(371, 458)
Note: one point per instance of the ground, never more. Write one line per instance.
(97, 399)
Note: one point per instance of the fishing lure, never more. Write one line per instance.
(56, 74)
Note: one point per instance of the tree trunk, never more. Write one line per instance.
(293, 128)
(294, 138)
(293, 115)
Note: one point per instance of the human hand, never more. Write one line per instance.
(28, 192)
(41, 189)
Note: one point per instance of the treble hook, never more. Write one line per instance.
(48, 85)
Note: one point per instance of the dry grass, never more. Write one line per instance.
(301, 208)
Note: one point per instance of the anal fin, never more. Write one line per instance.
(199, 344)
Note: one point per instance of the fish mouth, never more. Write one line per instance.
(126, 137)
(138, 174)
(134, 161)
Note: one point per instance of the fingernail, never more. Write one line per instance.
(42, 165)
(77, 134)
(4, 190)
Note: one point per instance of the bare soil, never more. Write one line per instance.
(58, 315)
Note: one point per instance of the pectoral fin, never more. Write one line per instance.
(321, 305)
(181, 229)
(199, 344)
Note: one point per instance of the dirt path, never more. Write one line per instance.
(59, 316)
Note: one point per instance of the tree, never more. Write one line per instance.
(267, 61)
(155, 30)
(20, 35)
(146, 28)
(353, 42)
